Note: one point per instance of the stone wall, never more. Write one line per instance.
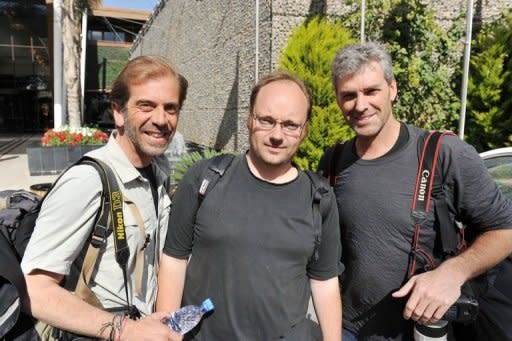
(287, 14)
(213, 43)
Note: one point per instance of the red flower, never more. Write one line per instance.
(67, 137)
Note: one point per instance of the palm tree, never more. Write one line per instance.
(71, 35)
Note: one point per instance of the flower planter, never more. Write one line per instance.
(53, 160)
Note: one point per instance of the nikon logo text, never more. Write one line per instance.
(120, 227)
(423, 185)
(117, 202)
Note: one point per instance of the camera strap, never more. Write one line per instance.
(423, 198)
(332, 169)
(113, 207)
(122, 252)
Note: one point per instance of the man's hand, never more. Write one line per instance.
(430, 295)
(149, 328)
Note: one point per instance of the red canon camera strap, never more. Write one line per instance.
(423, 193)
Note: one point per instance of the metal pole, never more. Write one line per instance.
(82, 64)
(257, 43)
(467, 55)
(58, 115)
(363, 15)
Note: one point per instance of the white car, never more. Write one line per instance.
(499, 163)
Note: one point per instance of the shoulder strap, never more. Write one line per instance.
(139, 260)
(333, 159)
(430, 145)
(98, 237)
(111, 207)
(425, 175)
(319, 188)
(216, 168)
(451, 231)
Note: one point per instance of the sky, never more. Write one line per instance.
(147, 5)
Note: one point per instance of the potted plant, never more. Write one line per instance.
(62, 147)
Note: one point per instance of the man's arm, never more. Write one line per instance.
(60, 308)
(171, 281)
(433, 292)
(327, 302)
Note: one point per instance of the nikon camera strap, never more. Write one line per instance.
(122, 251)
(110, 217)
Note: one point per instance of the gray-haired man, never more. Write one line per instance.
(374, 187)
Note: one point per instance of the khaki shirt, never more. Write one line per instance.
(66, 222)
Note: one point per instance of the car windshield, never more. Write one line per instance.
(500, 168)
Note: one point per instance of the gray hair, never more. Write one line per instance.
(353, 58)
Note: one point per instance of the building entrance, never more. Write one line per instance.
(25, 96)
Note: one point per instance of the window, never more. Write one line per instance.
(499, 163)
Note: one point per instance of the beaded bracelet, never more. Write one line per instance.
(112, 326)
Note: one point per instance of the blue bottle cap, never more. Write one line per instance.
(207, 305)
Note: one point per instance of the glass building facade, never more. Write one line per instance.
(25, 75)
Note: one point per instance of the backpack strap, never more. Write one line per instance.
(216, 168)
(98, 237)
(334, 156)
(429, 146)
(319, 188)
(139, 260)
(451, 231)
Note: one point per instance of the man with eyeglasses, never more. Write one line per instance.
(146, 99)
(250, 245)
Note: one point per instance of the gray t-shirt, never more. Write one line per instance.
(250, 248)
(374, 201)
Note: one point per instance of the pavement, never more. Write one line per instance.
(14, 164)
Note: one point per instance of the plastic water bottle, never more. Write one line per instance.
(187, 317)
(431, 332)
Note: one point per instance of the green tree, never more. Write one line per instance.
(309, 54)
(489, 114)
(424, 59)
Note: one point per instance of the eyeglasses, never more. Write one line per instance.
(268, 123)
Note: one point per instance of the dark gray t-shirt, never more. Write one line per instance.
(250, 248)
(374, 200)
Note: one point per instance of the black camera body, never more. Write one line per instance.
(465, 309)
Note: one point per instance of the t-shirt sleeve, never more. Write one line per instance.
(473, 193)
(65, 221)
(180, 234)
(328, 264)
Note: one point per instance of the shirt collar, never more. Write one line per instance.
(123, 167)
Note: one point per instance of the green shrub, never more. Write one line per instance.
(327, 126)
(489, 114)
(187, 160)
(309, 54)
(424, 59)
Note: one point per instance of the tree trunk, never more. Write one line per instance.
(71, 34)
